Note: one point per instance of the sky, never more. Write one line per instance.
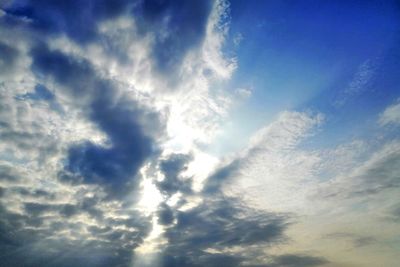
(199, 133)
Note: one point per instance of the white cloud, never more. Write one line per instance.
(391, 115)
(35, 139)
(359, 82)
(274, 172)
(243, 93)
(237, 39)
(349, 188)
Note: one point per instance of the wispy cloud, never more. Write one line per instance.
(391, 115)
(359, 82)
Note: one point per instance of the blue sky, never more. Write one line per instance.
(305, 55)
(176, 133)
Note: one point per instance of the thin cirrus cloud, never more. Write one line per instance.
(109, 115)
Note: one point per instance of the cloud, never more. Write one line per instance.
(391, 115)
(279, 172)
(271, 166)
(86, 99)
(394, 213)
(359, 82)
(237, 39)
(77, 19)
(178, 26)
(243, 93)
(118, 118)
(357, 240)
(171, 168)
(41, 93)
(217, 225)
(73, 238)
(101, 100)
(377, 174)
(8, 57)
(298, 261)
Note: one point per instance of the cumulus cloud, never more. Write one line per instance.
(220, 231)
(91, 96)
(107, 109)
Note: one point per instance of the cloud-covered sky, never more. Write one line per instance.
(177, 133)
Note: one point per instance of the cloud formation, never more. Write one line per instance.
(76, 137)
(109, 113)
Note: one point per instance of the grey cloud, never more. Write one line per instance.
(219, 224)
(179, 25)
(42, 93)
(122, 121)
(165, 215)
(76, 75)
(356, 240)
(222, 175)
(206, 259)
(7, 172)
(172, 168)
(68, 210)
(396, 213)
(383, 174)
(293, 260)
(378, 174)
(21, 133)
(37, 236)
(77, 19)
(35, 209)
(8, 57)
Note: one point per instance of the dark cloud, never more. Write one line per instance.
(78, 19)
(76, 75)
(221, 175)
(205, 259)
(33, 193)
(363, 241)
(37, 237)
(49, 230)
(8, 57)
(8, 173)
(219, 223)
(293, 260)
(394, 213)
(179, 25)
(36, 209)
(381, 175)
(120, 119)
(165, 215)
(172, 168)
(356, 240)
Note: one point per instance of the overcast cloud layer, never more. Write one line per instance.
(180, 133)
